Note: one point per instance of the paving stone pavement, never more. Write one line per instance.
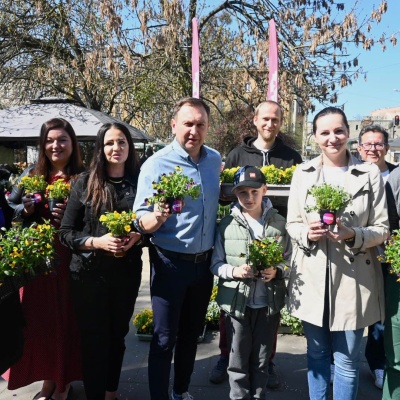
(290, 361)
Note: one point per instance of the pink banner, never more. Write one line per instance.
(195, 60)
(273, 63)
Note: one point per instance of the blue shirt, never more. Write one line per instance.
(192, 231)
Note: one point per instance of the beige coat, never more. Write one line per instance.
(356, 297)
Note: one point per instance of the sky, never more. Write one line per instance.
(382, 87)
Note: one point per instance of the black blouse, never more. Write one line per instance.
(79, 221)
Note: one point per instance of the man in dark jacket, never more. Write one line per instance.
(265, 149)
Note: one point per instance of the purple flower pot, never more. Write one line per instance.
(38, 198)
(328, 217)
(175, 205)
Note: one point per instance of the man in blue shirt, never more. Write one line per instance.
(180, 249)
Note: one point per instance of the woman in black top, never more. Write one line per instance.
(104, 287)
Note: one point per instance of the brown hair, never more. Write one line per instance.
(98, 190)
(43, 165)
(192, 101)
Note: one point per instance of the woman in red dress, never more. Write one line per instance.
(52, 351)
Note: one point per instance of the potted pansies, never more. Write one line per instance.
(24, 253)
(57, 192)
(392, 254)
(278, 182)
(265, 253)
(328, 200)
(119, 224)
(173, 188)
(36, 185)
(143, 322)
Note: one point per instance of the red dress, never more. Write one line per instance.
(52, 344)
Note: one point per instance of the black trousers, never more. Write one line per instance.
(104, 299)
(180, 292)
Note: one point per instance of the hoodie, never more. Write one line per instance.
(279, 155)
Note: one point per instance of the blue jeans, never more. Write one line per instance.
(345, 346)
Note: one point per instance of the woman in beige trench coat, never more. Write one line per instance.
(335, 285)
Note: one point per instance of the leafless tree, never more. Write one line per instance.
(134, 57)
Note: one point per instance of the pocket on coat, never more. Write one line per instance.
(231, 299)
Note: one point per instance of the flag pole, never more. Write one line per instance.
(195, 60)
(273, 63)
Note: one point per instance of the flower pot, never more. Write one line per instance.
(53, 203)
(328, 217)
(226, 192)
(38, 198)
(175, 205)
(144, 337)
(257, 270)
(284, 330)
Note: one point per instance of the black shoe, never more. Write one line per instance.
(273, 378)
(218, 373)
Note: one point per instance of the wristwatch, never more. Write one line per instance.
(350, 240)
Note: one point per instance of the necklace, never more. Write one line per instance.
(117, 180)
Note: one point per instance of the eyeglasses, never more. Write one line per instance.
(373, 146)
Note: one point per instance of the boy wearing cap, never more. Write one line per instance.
(251, 303)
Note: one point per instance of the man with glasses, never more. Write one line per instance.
(373, 147)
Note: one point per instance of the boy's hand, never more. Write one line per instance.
(268, 274)
(243, 272)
